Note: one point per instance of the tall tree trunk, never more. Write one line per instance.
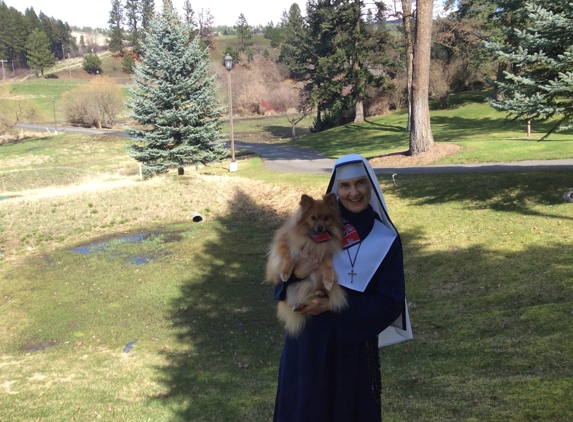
(421, 138)
(502, 67)
(359, 111)
(407, 22)
(359, 108)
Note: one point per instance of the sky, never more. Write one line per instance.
(95, 13)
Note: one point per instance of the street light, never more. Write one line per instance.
(55, 124)
(229, 66)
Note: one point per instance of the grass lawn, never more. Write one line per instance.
(485, 135)
(488, 266)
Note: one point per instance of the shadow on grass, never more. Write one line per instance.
(505, 192)
(480, 316)
(225, 366)
(451, 128)
(285, 132)
(491, 325)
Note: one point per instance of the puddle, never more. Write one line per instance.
(8, 197)
(102, 246)
(129, 346)
(150, 243)
(31, 348)
(146, 258)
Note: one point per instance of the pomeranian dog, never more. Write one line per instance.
(315, 229)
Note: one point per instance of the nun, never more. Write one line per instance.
(331, 372)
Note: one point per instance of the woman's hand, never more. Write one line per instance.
(305, 267)
(318, 305)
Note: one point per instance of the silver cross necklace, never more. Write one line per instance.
(352, 273)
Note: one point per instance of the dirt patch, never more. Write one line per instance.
(401, 159)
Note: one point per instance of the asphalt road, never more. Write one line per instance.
(301, 160)
(289, 159)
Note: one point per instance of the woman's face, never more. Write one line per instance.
(354, 193)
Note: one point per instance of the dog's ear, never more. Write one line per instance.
(330, 200)
(306, 201)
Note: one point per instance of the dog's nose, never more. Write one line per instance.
(319, 229)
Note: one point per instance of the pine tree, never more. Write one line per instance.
(244, 33)
(190, 19)
(295, 34)
(332, 49)
(542, 87)
(116, 30)
(147, 12)
(133, 21)
(175, 99)
(38, 51)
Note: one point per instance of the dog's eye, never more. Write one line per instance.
(313, 217)
(326, 218)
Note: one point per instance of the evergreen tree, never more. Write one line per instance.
(189, 18)
(542, 87)
(133, 21)
(175, 99)
(92, 64)
(276, 34)
(127, 63)
(147, 12)
(333, 49)
(244, 33)
(205, 20)
(116, 30)
(294, 38)
(38, 51)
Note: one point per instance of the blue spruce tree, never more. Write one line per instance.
(173, 100)
(541, 87)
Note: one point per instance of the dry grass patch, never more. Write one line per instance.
(402, 159)
(43, 219)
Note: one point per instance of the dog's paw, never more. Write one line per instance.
(284, 277)
(327, 284)
(320, 294)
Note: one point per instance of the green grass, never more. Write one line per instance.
(487, 261)
(485, 134)
(41, 92)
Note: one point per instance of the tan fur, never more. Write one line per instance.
(292, 242)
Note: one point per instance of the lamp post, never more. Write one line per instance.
(229, 66)
(54, 107)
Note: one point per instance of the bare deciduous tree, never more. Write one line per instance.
(13, 112)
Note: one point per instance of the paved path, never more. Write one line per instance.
(288, 159)
(301, 160)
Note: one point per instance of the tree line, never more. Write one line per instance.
(21, 34)
(129, 20)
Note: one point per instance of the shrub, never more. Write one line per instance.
(127, 63)
(92, 64)
(283, 98)
(96, 103)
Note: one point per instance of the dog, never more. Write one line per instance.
(315, 229)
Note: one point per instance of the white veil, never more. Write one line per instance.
(401, 329)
